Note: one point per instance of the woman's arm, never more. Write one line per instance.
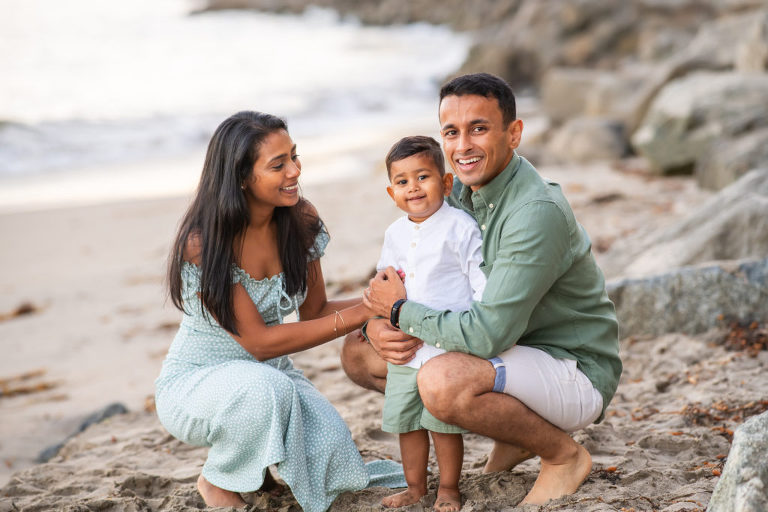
(320, 321)
(317, 304)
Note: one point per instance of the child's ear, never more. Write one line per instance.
(447, 183)
(391, 193)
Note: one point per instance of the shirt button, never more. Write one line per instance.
(416, 226)
(413, 244)
(437, 345)
(482, 227)
(410, 329)
(490, 206)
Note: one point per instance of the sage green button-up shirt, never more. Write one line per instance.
(544, 288)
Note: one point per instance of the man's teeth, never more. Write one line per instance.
(465, 161)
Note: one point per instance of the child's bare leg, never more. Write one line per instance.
(414, 450)
(216, 496)
(449, 449)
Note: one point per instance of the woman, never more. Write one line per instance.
(246, 255)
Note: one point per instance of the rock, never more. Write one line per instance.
(586, 139)
(732, 224)
(92, 419)
(694, 112)
(725, 161)
(743, 486)
(690, 300)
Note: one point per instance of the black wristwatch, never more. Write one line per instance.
(394, 316)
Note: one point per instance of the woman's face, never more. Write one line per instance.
(274, 180)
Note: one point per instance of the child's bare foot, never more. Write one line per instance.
(216, 496)
(557, 480)
(448, 500)
(504, 457)
(408, 497)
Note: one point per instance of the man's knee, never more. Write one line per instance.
(448, 382)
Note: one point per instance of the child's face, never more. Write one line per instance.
(417, 187)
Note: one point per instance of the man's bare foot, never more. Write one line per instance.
(448, 500)
(504, 457)
(557, 480)
(216, 496)
(408, 497)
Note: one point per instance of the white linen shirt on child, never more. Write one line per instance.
(441, 258)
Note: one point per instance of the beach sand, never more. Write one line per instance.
(83, 316)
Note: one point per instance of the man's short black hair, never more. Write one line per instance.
(487, 85)
(414, 145)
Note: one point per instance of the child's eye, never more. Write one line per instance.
(401, 182)
(423, 177)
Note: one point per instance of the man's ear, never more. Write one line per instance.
(391, 193)
(447, 183)
(515, 131)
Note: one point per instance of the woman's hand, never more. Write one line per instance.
(391, 344)
(383, 291)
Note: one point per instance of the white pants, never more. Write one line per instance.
(552, 388)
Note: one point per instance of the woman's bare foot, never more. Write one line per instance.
(216, 496)
(408, 497)
(504, 457)
(448, 500)
(557, 480)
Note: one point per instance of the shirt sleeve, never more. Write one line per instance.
(533, 251)
(471, 259)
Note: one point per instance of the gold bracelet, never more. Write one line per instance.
(335, 330)
(343, 323)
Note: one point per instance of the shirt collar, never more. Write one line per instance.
(491, 192)
(442, 211)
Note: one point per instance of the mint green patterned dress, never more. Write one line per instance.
(252, 414)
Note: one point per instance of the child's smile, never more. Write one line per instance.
(417, 186)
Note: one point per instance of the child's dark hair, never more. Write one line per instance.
(414, 145)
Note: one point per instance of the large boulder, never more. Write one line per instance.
(691, 300)
(732, 224)
(586, 139)
(726, 160)
(692, 113)
(743, 486)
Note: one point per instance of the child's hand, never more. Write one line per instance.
(401, 273)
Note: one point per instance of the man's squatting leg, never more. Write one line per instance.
(458, 389)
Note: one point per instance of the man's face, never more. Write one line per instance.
(475, 140)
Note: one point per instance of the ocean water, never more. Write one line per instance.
(115, 100)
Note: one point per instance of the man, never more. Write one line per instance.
(537, 357)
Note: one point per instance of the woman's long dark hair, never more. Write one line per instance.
(219, 214)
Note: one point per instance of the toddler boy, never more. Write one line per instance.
(438, 249)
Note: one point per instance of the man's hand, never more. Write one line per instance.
(391, 344)
(383, 291)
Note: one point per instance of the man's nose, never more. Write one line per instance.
(464, 143)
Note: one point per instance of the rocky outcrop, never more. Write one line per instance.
(692, 114)
(743, 486)
(732, 224)
(691, 300)
(625, 63)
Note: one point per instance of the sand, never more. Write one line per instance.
(98, 325)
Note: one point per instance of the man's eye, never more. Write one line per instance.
(479, 129)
